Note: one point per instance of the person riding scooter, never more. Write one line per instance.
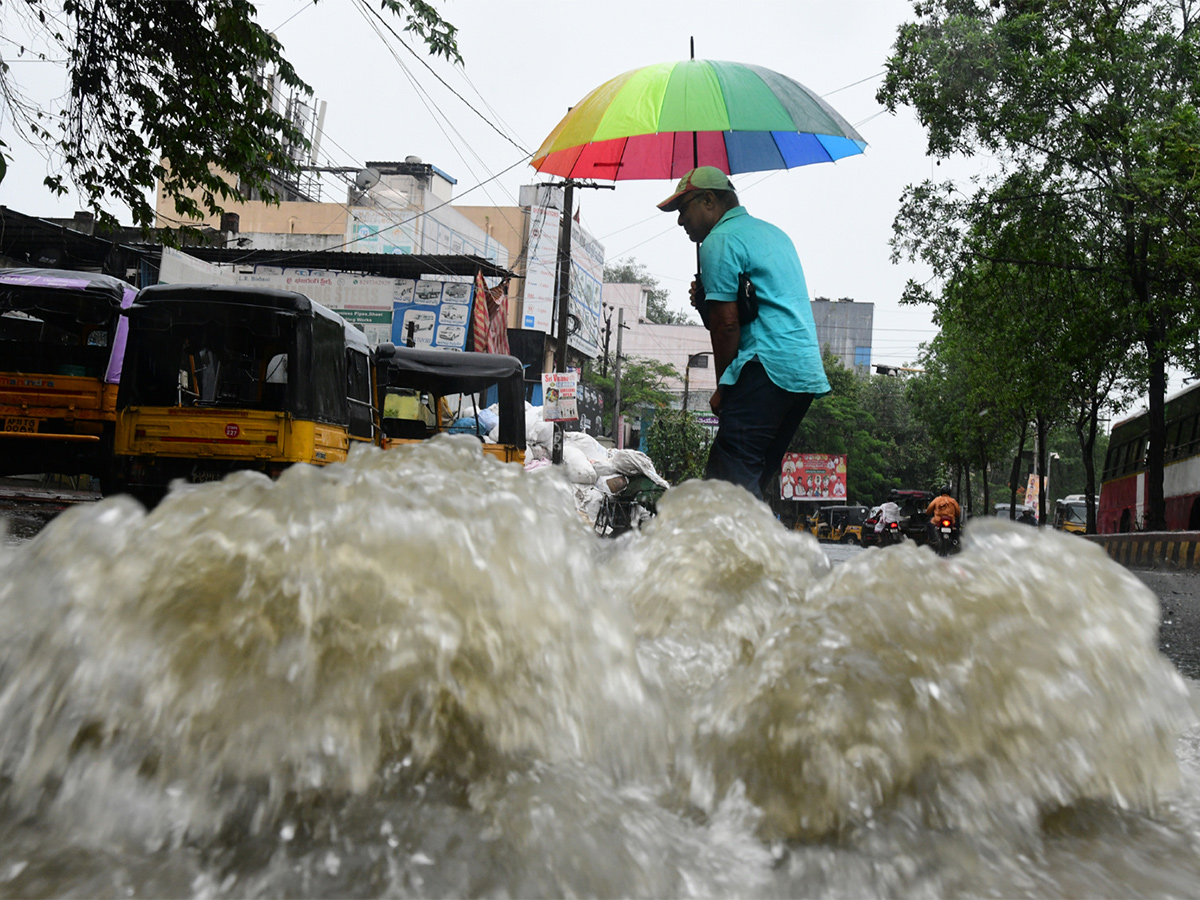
(889, 515)
(941, 508)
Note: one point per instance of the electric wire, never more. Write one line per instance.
(432, 109)
(467, 103)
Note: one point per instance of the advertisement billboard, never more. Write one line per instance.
(558, 397)
(813, 476)
(432, 312)
(541, 279)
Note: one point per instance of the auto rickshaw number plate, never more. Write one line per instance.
(200, 475)
(20, 425)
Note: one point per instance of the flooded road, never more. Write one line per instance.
(421, 674)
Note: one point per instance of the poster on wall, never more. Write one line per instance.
(590, 403)
(431, 312)
(558, 397)
(813, 476)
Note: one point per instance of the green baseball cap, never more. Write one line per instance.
(702, 178)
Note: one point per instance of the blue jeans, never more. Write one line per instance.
(758, 420)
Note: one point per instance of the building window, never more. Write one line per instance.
(862, 356)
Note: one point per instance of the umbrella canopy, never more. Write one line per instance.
(660, 121)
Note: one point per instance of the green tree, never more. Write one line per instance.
(1101, 100)
(643, 386)
(839, 423)
(1028, 311)
(657, 298)
(910, 461)
(188, 81)
(677, 444)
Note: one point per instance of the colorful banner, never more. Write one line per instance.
(813, 476)
(1031, 494)
(558, 397)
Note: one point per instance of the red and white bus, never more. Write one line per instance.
(1123, 490)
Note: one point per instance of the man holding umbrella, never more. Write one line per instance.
(767, 358)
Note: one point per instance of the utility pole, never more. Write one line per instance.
(607, 332)
(563, 301)
(563, 298)
(563, 295)
(620, 432)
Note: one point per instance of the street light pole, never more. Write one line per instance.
(618, 429)
(687, 371)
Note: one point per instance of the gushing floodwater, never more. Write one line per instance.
(421, 674)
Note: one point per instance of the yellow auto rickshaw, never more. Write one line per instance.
(423, 392)
(838, 524)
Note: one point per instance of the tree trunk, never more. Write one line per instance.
(1085, 430)
(1155, 518)
(1016, 474)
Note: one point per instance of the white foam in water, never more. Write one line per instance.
(234, 694)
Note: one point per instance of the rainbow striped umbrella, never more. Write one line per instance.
(660, 121)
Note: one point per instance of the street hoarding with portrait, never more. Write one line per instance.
(813, 476)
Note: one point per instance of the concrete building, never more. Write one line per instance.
(391, 207)
(844, 327)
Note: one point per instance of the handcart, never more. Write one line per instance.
(628, 508)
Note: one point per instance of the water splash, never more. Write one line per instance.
(420, 673)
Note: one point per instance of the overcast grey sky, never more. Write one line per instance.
(528, 61)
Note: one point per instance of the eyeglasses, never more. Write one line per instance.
(690, 200)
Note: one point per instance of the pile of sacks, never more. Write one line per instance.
(594, 471)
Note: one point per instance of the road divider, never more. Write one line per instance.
(1152, 549)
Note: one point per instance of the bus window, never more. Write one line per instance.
(1171, 447)
(1187, 436)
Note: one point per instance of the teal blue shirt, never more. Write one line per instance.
(784, 336)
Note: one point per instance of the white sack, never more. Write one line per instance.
(634, 462)
(579, 470)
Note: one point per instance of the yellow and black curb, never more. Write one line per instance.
(1152, 549)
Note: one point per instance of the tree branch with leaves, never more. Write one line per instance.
(178, 91)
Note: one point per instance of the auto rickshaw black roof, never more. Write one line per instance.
(442, 371)
(238, 294)
(106, 286)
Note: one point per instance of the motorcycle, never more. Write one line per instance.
(890, 534)
(946, 534)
